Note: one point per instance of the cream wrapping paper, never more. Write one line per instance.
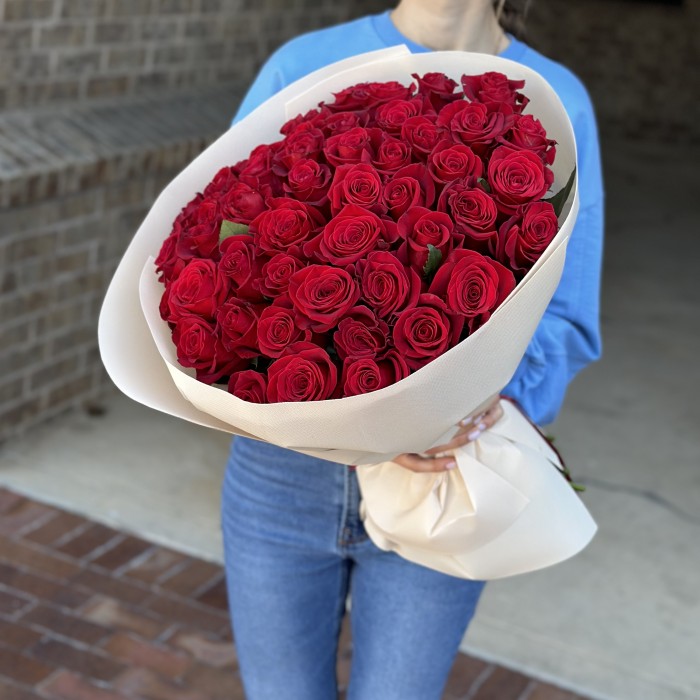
(408, 416)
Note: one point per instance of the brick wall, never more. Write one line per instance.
(66, 50)
(106, 100)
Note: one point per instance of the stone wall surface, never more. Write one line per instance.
(104, 101)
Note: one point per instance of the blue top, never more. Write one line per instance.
(568, 336)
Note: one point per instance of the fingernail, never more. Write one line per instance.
(467, 421)
(450, 465)
(474, 434)
(481, 426)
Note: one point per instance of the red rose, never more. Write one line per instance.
(472, 209)
(494, 88)
(276, 273)
(322, 295)
(422, 134)
(472, 285)
(351, 235)
(313, 116)
(306, 141)
(391, 115)
(256, 171)
(425, 331)
(199, 232)
(223, 181)
(387, 285)
(308, 181)
(353, 146)
(277, 329)
(358, 184)
(240, 266)
(248, 385)
(450, 161)
(237, 323)
(392, 367)
(365, 95)
(525, 236)
(199, 347)
(360, 334)
(305, 372)
(360, 376)
(334, 123)
(419, 227)
(241, 203)
(517, 177)
(168, 263)
(392, 154)
(528, 133)
(285, 224)
(199, 290)
(411, 186)
(437, 88)
(473, 124)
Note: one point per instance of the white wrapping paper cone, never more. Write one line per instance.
(408, 416)
(505, 510)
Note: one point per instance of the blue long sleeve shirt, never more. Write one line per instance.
(568, 336)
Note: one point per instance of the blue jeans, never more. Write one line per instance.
(294, 548)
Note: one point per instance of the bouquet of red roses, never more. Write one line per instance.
(353, 289)
(383, 228)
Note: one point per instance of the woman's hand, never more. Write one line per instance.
(469, 429)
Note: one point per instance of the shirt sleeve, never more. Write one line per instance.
(268, 82)
(568, 336)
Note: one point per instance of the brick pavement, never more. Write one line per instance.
(91, 613)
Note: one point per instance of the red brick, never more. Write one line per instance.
(164, 661)
(144, 683)
(40, 587)
(12, 602)
(215, 596)
(158, 563)
(106, 585)
(214, 653)
(546, 691)
(35, 558)
(186, 614)
(122, 553)
(67, 625)
(81, 660)
(12, 692)
(20, 514)
(112, 613)
(17, 636)
(216, 683)
(55, 528)
(69, 686)
(465, 671)
(8, 499)
(192, 576)
(502, 684)
(22, 669)
(87, 541)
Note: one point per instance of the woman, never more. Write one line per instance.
(294, 543)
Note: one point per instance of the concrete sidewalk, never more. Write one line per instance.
(620, 621)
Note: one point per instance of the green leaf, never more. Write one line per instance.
(484, 183)
(559, 199)
(432, 263)
(231, 228)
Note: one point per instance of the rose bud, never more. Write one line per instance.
(305, 372)
(528, 133)
(517, 177)
(322, 295)
(419, 227)
(360, 334)
(425, 331)
(472, 209)
(358, 184)
(285, 224)
(237, 323)
(308, 181)
(438, 88)
(472, 285)
(360, 376)
(388, 286)
(240, 266)
(493, 88)
(474, 125)
(410, 186)
(241, 203)
(248, 385)
(391, 115)
(422, 134)
(450, 161)
(391, 155)
(277, 329)
(525, 236)
(199, 290)
(274, 279)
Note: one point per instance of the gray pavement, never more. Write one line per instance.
(619, 621)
